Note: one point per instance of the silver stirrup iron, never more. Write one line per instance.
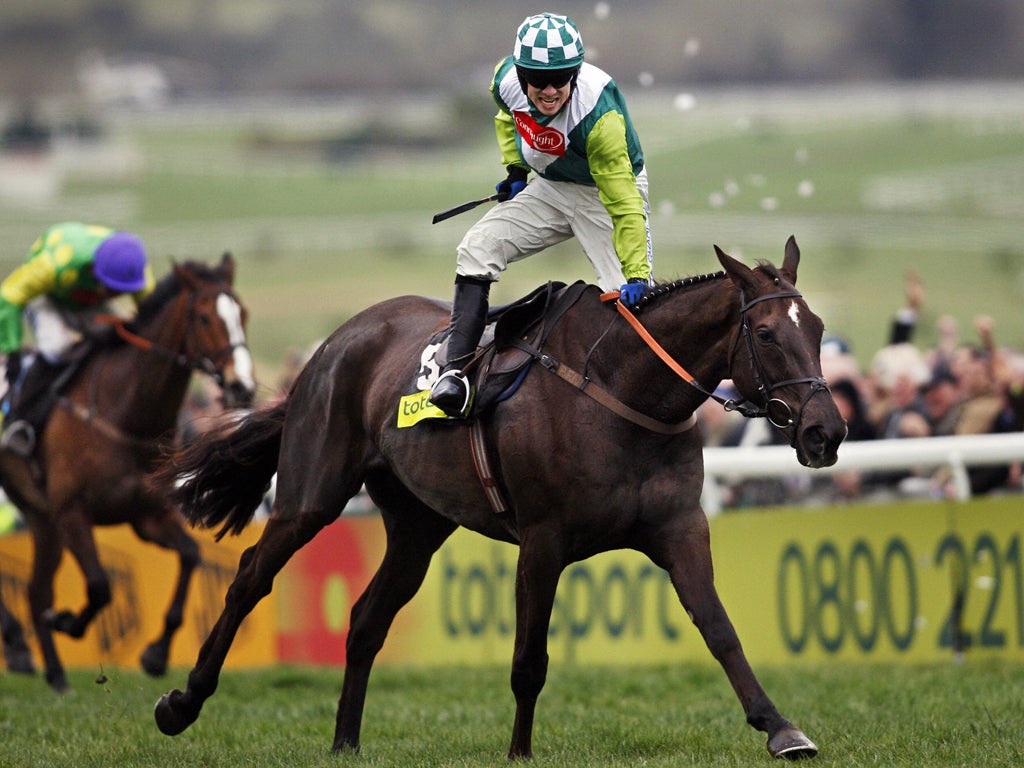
(456, 374)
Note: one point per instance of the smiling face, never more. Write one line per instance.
(548, 100)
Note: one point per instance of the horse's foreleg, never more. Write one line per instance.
(692, 574)
(258, 566)
(46, 541)
(17, 655)
(540, 565)
(79, 540)
(166, 531)
(411, 542)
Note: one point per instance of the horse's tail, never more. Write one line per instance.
(221, 479)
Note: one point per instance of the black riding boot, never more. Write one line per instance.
(450, 392)
(30, 404)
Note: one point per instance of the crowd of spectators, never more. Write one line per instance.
(965, 384)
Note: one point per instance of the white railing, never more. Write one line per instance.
(956, 453)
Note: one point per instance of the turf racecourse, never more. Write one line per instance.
(966, 714)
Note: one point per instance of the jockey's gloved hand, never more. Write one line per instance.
(13, 367)
(634, 290)
(513, 184)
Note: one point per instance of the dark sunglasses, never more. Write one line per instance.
(542, 78)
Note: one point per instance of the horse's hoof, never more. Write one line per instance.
(19, 660)
(59, 683)
(792, 744)
(62, 621)
(154, 661)
(169, 718)
(345, 746)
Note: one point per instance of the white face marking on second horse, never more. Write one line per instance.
(794, 314)
(231, 314)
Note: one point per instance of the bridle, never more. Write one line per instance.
(211, 363)
(191, 359)
(777, 411)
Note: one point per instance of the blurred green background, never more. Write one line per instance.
(872, 181)
(315, 142)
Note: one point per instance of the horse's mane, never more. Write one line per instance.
(168, 289)
(165, 291)
(661, 290)
(664, 289)
(769, 269)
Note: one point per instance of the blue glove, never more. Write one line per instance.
(631, 293)
(513, 184)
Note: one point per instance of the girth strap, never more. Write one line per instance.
(492, 490)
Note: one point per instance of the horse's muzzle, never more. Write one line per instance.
(817, 445)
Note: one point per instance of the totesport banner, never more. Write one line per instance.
(911, 581)
(142, 580)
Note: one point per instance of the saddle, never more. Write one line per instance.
(28, 406)
(513, 335)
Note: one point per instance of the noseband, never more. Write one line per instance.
(777, 411)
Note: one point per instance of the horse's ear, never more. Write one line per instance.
(184, 275)
(741, 274)
(792, 260)
(227, 266)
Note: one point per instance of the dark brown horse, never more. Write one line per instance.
(579, 478)
(109, 430)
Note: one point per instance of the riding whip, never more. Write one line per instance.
(461, 208)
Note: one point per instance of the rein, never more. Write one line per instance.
(201, 363)
(771, 408)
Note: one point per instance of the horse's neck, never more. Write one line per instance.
(696, 328)
(155, 381)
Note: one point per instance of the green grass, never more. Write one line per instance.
(935, 715)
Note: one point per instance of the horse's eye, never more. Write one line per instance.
(205, 321)
(765, 336)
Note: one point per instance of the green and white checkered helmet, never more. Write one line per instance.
(548, 41)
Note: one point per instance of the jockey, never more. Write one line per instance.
(70, 273)
(566, 121)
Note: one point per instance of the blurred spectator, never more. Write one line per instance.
(201, 410)
(942, 402)
(897, 372)
(905, 321)
(838, 361)
(850, 402)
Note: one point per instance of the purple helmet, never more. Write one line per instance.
(120, 263)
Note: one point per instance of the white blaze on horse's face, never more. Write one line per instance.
(231, 314)
(794, 314)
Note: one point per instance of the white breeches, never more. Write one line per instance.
(543, 214)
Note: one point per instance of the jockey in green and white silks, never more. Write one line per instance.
(567, 122)
(590, 143)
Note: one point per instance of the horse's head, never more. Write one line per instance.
(215, 337)
(775, 361)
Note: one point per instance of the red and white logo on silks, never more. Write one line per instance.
(541, 138)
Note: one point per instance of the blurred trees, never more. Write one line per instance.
(944, 38)
(329, 46)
